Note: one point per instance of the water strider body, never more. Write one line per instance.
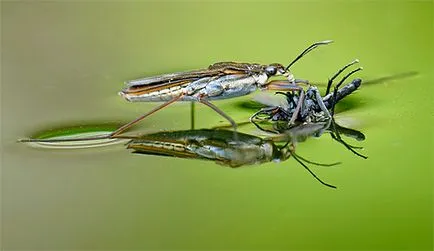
(219, 81)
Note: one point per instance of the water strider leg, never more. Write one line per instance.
(283, 85)
(114, 134)
(224, 115)
(192, 105)
(128, 125)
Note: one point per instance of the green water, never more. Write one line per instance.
(63, 63)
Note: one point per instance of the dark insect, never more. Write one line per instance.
(310, 107)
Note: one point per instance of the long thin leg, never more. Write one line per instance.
(329, 84)
(113, 134)
(312, 173)
(192, 105)
(128, 125)
(224, 115)
(347, 76)
(335, 92)
(316, 163)
(282, 85)
(216, 109)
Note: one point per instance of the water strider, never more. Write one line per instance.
(222, 80)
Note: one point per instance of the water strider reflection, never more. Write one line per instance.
(221, 147)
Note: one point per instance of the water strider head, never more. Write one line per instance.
(274, 70)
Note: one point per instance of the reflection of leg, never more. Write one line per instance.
(300, 160)
(105, 136)
(336, 136)
(128, 125)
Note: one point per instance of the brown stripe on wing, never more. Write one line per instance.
(237, 68)
(139, 90)
(172, 77)
(217, 69)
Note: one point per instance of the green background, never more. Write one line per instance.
(63, 63)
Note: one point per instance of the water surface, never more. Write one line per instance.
(64, 62)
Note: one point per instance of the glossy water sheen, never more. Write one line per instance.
(63, 63)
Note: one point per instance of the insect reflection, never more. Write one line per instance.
(220, 146)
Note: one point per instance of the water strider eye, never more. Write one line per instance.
(271, 70)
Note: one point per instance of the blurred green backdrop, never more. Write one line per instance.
(63, 63)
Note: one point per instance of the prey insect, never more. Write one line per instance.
(309, 105)
(219, 146)
(222, 80)
(313, 109)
